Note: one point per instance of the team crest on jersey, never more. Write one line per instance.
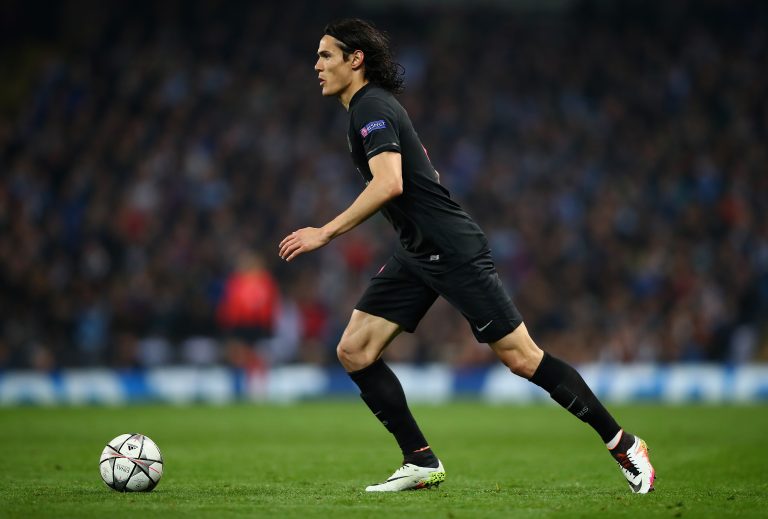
(372, 127)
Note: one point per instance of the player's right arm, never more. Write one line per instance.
(387, 183)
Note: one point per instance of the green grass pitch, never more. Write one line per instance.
(314, 460)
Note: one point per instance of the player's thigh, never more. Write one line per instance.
(518, 352)
(395, 300)
(363, 340)
(365, 330)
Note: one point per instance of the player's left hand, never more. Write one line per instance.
(301, 241)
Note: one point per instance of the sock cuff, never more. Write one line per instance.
(361, 373)
(615, 441)
(549, 374)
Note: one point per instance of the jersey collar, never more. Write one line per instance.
(359, 94)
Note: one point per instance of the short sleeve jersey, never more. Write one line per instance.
(425, 217)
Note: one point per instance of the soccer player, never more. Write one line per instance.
(442, 252)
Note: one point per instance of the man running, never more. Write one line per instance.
(442, 252)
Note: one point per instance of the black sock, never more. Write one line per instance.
(625, 442)
(567, 388)
(381, 391)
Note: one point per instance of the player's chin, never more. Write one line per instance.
(328, 92)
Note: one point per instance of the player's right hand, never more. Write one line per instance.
(301, 241)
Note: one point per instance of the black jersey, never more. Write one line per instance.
(429, 223)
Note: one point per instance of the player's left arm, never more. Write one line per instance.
(387, 183)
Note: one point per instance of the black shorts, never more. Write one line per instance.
(404, 289)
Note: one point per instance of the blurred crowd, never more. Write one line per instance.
(615, 155)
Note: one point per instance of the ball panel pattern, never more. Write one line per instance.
(131, 463)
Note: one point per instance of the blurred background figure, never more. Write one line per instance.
(247, 311)
(250, 300)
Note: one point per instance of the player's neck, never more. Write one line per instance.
(346, 96)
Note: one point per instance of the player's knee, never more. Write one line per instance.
(353, 355)
(343, 353)
(516, 362)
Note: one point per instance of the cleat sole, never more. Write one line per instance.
(433, 481)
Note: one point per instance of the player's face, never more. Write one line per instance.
(333, 71)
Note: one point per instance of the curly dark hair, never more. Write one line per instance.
(380, 67)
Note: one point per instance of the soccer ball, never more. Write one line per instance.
(131, 463)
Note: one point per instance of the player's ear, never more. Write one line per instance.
(358, 57)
